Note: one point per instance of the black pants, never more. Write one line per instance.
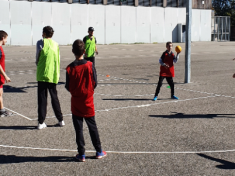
(78, 126)
(43, 88)
(92, 59)
(170, 82)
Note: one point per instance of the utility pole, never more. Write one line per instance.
(188, 41)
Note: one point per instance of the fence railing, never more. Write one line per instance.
(220, 28)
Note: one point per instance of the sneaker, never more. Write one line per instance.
(174, 97)
(80, 158)
(61, 124)
(101, 155)
(155, 98)
(5, 114)
(41, 126)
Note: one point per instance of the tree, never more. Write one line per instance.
(225, 8)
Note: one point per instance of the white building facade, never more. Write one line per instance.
(24, 20)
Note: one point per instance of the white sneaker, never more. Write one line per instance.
(61, 123)
(41, 126)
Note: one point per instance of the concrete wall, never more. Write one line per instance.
(23, 21)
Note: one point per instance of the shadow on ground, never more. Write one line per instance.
(37, 83)
(196, 116)
(11, 89)
(225, 164)
(24, 127)
(9, 159)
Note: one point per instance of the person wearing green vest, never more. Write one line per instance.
(48, 73)
(90, 46)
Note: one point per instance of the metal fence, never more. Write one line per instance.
(220, 28)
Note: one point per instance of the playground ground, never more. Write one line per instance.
(191, 136)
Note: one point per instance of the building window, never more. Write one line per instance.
(95, 1)
(128, 2)
(182, 3)
(172, 3)
(80, 1)
(145, 3)
(158, 3)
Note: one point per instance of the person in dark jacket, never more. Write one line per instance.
(81, 80)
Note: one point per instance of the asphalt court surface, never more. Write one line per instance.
(190, 136)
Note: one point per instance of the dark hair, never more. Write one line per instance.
(168, 43)
(3, 34)
(78, 47)
(48, 30)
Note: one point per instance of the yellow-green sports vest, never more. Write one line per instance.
(90, 46)
(48, 68)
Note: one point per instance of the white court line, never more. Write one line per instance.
(147, 105)
(122, 152)
(176, 87)
(141, 106)
(19, 114)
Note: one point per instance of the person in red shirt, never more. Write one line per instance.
(81, 80)
(167, 71)
(3, 77)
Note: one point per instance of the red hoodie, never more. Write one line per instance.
(2, 63)
(80, 82)
(167, 59)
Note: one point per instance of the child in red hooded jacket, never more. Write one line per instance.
(167, 71)
(3, 76)
(81, 80)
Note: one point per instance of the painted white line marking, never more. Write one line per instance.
(147, 105)
(122, 152)
(18, 114)
(141, 106)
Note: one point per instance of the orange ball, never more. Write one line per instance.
(107, 76)
(178, 49)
